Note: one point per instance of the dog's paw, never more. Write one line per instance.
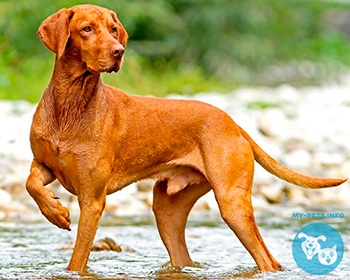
(53, 210)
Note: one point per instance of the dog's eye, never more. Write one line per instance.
(114, 30)
(87, 29)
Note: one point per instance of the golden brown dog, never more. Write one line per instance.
(96, 140)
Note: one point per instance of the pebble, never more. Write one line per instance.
(306, 129)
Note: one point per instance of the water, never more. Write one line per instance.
(33, 250)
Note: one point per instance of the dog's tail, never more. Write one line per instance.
(286, 174)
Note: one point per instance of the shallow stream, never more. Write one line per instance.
(33, 250)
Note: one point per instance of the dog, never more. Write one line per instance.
(96, 140)
(310, 245)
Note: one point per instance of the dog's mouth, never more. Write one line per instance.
(104, 63)
(310, 251)
(115, 68)
(108, 69)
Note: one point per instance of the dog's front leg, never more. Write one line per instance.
(50, 207)
(91, 208)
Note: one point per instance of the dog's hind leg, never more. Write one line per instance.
(232, 184)
(171, 212)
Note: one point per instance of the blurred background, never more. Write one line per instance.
(189, 46)
(279, 68)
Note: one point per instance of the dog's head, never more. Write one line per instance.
(91, 35)
(311, 242)
(310, 245)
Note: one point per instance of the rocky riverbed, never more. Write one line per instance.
(306, 129)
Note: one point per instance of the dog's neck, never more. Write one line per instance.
(72, 90)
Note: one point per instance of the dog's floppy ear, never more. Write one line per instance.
(322, 237)
(122, 34)
(54, 31)
(302, 235)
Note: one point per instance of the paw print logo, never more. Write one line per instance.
(318, 248)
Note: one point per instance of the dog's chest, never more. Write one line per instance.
(54, 153)
(67, 156)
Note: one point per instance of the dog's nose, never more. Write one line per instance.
(117, 50)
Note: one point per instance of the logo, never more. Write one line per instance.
(318, 248)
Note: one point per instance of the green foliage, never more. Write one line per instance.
(262, 105)
(186, 46)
